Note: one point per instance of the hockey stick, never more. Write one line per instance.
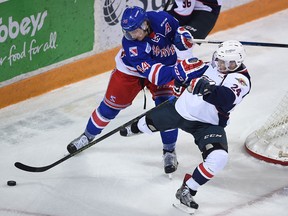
(248, 43)
(44, 168)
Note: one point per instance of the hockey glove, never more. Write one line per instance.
(183, 40)
(178, 88)
(201, 86)
(188, 69)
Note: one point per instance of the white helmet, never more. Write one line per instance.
(229, 56)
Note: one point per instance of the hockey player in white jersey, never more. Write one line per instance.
(203, 110)
(197, 16)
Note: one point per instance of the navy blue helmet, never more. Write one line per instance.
(133, 18)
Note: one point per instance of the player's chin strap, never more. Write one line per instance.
(246, 43)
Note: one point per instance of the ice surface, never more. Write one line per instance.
(124, 176)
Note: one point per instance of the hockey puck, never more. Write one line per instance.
(11, 183)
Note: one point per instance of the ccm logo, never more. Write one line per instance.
(212, 136)
(178, 74)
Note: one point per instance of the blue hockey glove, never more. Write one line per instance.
(183, 40)
(189, 69)
(201, 86)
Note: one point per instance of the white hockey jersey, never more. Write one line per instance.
(185, 8)
(215, 108)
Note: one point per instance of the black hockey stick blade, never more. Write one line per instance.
(37, 169)
(30, 168)
(246, 43)
(27, 168)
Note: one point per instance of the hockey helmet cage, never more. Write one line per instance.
(133, 18)
(229, 56)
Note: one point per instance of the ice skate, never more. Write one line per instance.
(78, 143)
(185, 195)
(170, 162)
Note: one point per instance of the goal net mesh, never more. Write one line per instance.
(270, 142)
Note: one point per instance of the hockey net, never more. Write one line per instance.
(270, 142)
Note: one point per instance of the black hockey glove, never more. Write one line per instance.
(178, 88)
(201, 86)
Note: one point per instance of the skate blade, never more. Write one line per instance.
(184, 208)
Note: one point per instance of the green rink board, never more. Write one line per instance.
(38, 33)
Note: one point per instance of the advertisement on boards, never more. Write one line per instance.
(108, 30)
(38, 33)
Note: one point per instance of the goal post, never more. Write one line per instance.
(270, 142)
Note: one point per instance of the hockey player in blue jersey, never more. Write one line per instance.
(203, 110)
(147, 59)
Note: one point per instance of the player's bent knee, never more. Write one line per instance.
(143, 126)
(107, 112)
(216, 160)
(150, 124)
(211, 147)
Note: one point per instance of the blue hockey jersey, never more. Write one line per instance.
(155, 56)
